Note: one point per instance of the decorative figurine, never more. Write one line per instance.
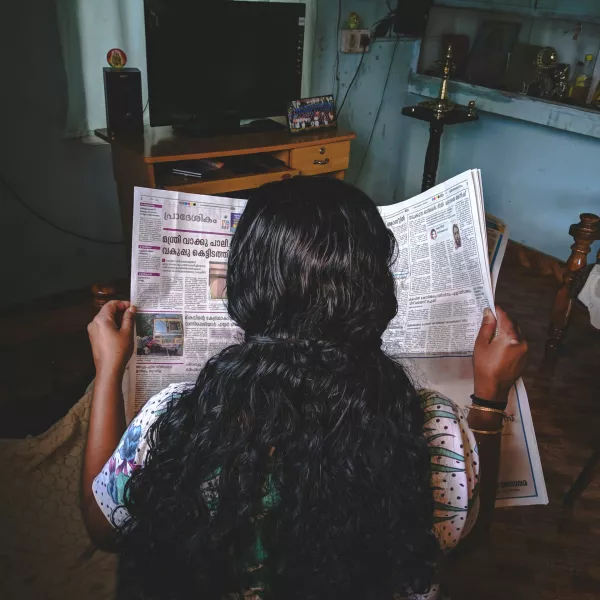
(561, 76)
(353, 21)
(530, 70)
(116, 58)
(543, 83)
(546, 58)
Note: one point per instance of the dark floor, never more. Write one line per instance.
(537, 552)
(45, 362)
(534, 553)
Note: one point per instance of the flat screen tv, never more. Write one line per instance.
(212, 62)
(411, 17)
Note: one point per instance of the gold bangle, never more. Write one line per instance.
(486, 409)
(488, 431)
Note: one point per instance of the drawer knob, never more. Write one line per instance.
(322, 150)
(321, 162)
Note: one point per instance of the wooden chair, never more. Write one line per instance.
(585, 233)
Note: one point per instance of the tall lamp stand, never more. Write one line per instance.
(439, 113)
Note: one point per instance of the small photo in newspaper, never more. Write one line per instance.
(456, 236)
(445, 232)
(217, 280)
(159, 334)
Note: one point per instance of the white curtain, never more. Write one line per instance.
(89, 28)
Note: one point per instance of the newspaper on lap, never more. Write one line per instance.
(449, 257)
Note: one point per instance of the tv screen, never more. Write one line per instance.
(209, 59)
(412, 17)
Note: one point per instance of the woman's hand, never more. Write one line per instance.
(498, 360)
(111, 336)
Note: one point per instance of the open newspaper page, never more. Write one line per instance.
(521, 480)
(442, 273)
(450, 254)
(178, 273)
(521, 476)
(179, 264)
(497, 238)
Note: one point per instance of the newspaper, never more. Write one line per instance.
(446, 270)
(450, 254)
(497, 238)
(521, 479)
(179, 268)
(442, 273)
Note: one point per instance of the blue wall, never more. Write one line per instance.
(380, 175)
(535, 178)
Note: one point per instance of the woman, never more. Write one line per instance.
(301, 463)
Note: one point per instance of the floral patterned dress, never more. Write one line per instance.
(454, 471)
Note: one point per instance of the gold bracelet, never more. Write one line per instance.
(486, 409)
(488, 431)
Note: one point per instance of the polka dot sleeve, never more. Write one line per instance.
(130, 455)
(454, 469)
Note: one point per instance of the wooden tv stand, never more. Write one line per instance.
(146, 161)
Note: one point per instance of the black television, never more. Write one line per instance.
(212, 63)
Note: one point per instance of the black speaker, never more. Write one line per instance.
(123, 97)
(411, 17)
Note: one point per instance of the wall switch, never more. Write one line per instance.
(356, 40)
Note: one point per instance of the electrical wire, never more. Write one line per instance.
(314, 48)
(360, 62)
(336, 70)
(391, 14)
(386, 24)
(54, 225)
(387, 78)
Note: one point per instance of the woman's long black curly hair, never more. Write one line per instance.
(309, 408)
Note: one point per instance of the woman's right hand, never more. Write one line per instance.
(111, 336)
(498, 360)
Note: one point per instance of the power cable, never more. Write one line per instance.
(387, 78)
(50, 223)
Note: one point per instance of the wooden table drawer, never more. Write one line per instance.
(321, 159)
(223, 183)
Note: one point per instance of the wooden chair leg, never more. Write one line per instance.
(584, 233)
(583, 481)
(102, 293)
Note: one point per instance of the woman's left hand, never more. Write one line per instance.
(111, 336)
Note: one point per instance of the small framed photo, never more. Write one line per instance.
(311, 113)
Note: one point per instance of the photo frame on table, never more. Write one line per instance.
(308, 114)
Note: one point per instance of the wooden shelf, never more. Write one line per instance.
(575, 119)
(224, 180)
(540, 13)
(162, 144)
(146, 160)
